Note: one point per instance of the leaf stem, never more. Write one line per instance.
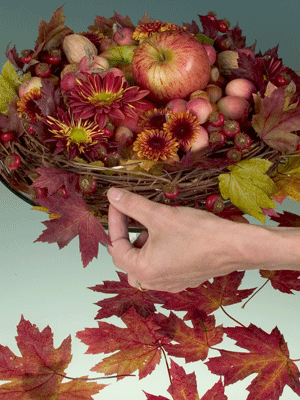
(233, 319)
(253, 294)
(166, 361)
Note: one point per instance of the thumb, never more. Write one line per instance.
(134, 205)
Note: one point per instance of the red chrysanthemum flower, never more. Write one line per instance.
(143, 31)
(27, 107)
(154, 144)
(100, 97)
(77, 137)
(154, 118)
(184, 127)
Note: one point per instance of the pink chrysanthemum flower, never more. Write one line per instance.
(100, 97)
(79, 138)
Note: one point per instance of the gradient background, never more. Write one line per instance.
(49, 286)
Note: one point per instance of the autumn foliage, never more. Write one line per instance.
(151, 334)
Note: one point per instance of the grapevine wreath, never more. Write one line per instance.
(182, 115)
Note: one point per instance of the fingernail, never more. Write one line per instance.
(115, 194)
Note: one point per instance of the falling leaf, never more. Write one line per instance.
(136, 347)
(285, 281)
(267, 356)
(39, 372)
(127, 296)
(76, 219)
(287, 180)
(275, 124)
(248, 186)
(194, 342)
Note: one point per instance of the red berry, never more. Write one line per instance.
(170, 192)
(42, 70)
(216, 119)
(26, 56)
(62, 192)
(214, 203)
(212, 16)
(234, 155)
(54, 57)
(225, 43)
(30, 130)
(222, 26)
(12, 161)
(217, 137)
(282, 80)
(7, 136)
(242, 141)
(87, 183)
(231, 128)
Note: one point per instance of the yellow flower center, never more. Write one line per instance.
(104, 98)
(79, 135)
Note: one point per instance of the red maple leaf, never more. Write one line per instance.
(136, 347)
(287, 219)
(127, 296)
(274, 124)
(223, 291)
(184, 387)
(75, 219)
(194, 342)
(268, 357)
(53, 179)
(285, 281)
(39, 372)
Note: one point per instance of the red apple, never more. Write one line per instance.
(176, 105)
(171, 65)
(123, 36)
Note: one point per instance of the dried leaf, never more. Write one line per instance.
(285, 281)
(209, 296)
(51, 34)
(287, 180)
(76, 219)
(275, 123)
(136, 347)
(287, 219)
(194, 342)
(267, 356)
(39, 372)
(248, 186)
(54, 178)
(127, 296)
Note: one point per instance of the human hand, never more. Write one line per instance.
(182, 247)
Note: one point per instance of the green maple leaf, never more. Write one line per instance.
(10, 82)
(248, 186)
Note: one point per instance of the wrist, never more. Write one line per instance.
(273, 248)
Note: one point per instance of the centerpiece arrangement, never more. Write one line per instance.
(182, 115)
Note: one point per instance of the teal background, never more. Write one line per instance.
(49, 286)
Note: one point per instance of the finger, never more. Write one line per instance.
(134, 205)
(122, 250)
(141, 240)
(117, 224)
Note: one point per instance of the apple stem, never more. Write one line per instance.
(156, 49)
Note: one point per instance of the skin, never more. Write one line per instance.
(183, 247)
